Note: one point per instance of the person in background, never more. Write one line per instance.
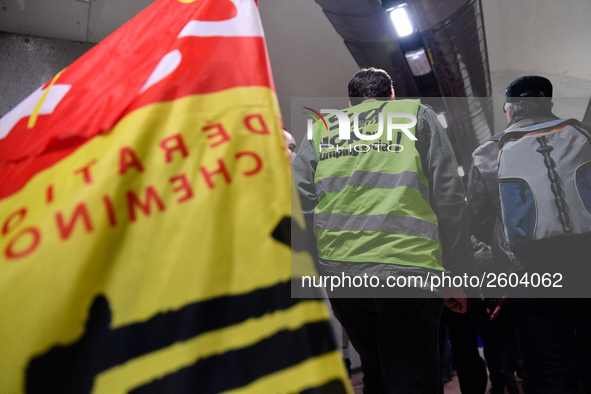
(291, 144)
(496, 333)
(554, 335)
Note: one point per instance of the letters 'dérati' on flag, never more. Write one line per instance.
(143, 206)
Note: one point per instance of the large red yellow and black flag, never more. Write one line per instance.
(144, 202)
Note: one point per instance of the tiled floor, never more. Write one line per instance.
(451, 387)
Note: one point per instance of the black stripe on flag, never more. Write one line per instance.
(73, 367)
(240, 367)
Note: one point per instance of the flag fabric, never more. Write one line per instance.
(144, 220)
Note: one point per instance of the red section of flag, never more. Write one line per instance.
(117, 77)
(218, 11)
(205, 70)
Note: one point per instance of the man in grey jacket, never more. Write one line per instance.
(554, 334)
(389, 210)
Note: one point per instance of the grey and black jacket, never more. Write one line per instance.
(484, 205)
(446, 196)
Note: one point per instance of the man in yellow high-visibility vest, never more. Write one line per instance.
(387, 208)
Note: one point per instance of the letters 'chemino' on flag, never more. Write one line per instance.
(144, 203)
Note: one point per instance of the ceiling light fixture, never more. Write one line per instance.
(418, 62)
(401, 20)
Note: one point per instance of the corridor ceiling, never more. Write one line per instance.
(310, 59)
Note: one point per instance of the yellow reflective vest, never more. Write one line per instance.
(373, 197)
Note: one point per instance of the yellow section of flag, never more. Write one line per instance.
(168, 220)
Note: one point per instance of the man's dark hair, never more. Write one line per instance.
(369, 83)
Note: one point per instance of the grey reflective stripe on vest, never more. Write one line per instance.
(385, 223)
(372, 179)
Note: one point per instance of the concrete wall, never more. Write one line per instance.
(542, 37)
(27, 62)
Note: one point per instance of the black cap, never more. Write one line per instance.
(520, 88)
